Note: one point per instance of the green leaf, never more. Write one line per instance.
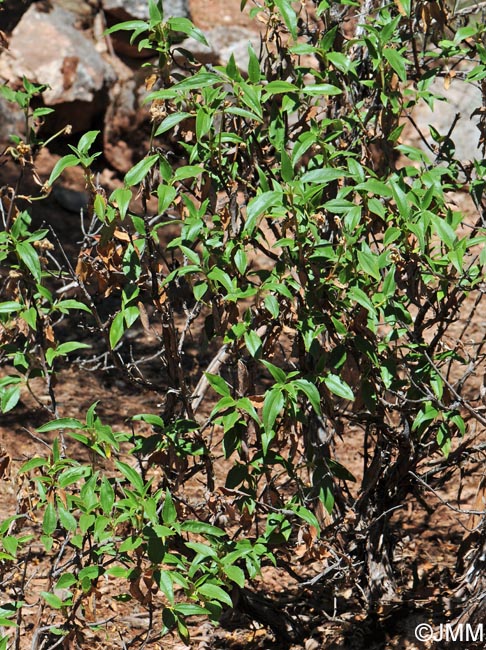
(286, 166)
(30, 258)
(129, 25)
(370, 264)
(70, 346)
(31, 464)
(188, 609)
(166, 194)
(170, 122)
(10, 307)
(279, 87)
(49, 521)
(166, 586)
(185, 26)
(272, 405)
(66, 580)
(140, 170)
(277, 373)
(359, 296)
(40, 112)
(203, 123)
(325, 175)
(130, 315)
(304, 142)
(86, 141)
(61, 423)
(107, 496)
(326, 494)
(321, 90)
(202, 528)
(397, 62)
(235, 574)
(213, 592)
(254, 72)
(169, 512)
(218, 384)
(312, 393)
(121, 197)
(30, 317)
(253, 343)
(340, 471)
(338, 386)
(241, 261)
(252, 98)
(258, 205)
(117, 329)
(401, 200)
(65, 305)
(217, 275)
(66, 519)
(52, 600)
(272, 304)
(10, 398)
(289, 16)
(242, 112)
(150, 418)
(131, 475)
(444, 230)
(66, 161)
(73, 475)
(202, 549)
(305, 514)
(187, 171)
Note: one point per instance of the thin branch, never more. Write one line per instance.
(443, 501)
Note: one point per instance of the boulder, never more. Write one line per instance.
(64, 59)
(82, 8)
(462, 98)
(12, 120)
(138, 9)
(223, 42)
(117, 11)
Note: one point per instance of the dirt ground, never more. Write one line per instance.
(427, 541)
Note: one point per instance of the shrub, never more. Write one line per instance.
(312, 291)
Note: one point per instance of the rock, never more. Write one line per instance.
(12, 120)
(223, 42)
(82, 8)
(138, 9)
(64, 59)
(122, 10)
(122, 119)
(71, 200)
(463, 98)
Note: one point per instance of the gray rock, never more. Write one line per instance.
(62, 57)
(463, 98)
(12, 120)
(138, 9)
(117, 11)
(82, 8)
(223, 42)
(71, 200)
(48, 49)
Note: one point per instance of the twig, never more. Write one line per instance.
(460, 400)
(203, 384)
(443, 501)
